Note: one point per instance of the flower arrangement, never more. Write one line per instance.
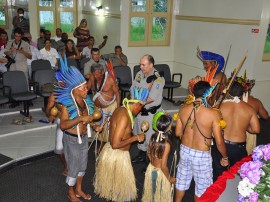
(255, 174)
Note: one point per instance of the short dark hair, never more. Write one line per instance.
(236, 89)
(118, 46)
(3, 32)
(47, 40)
(59, 29)
(42, 30)
(25, 39)
(18, 30)
(150, 58)
(94, 50)
(91, 37)
(20, 9)
(95, 67)
(200, 88)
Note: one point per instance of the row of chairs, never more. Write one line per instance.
(15, 85)
(124, 77)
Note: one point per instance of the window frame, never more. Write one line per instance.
(5, 6)
(56, 9)
(149, 14)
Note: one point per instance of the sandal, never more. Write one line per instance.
(27, 119)
(17, 122)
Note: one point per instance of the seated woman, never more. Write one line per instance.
(71, 52)
(157, 183)
(49, 53)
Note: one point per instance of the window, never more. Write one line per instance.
(57, 13)
(3, 14)
(150, 22)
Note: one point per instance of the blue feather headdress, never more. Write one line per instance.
(68, 79)
(206, 94)
(140, 94)
(209, 56)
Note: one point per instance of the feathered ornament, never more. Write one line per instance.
(109, 66)
(246, 83)
(206, 94)
(68, 79)
(138, 95)
(210, 56)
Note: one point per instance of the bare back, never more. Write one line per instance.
(120, 128)
(258, 107)
(240, 117)
(192, 131)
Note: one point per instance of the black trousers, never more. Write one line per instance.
(235, 154)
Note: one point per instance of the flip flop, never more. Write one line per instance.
(85, 196)
(18, 122)
(28, 119)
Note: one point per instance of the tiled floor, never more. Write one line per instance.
(22, 141)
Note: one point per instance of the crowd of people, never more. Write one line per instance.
(22, 49)
(214, 116)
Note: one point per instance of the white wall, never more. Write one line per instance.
(217, 37)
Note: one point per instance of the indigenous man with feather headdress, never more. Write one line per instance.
(214, 64)
(71, 92)
(115, 179)
(196, 126)
(240, 117)
(255, 103)
(106, 96)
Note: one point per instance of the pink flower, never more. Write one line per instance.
(266, 152)
(253, 197)
(257, 153)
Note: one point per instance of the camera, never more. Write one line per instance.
(10, 61)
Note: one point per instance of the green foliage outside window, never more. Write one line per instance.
(2, 17)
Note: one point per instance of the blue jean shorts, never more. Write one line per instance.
(197, 164)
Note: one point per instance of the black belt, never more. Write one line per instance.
(72, 135)
(235, 143)
(152, 110)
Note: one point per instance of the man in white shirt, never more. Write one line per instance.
(86, 52)
(58, 32)
(49, 53)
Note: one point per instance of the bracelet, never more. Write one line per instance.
(225, 158)
(138, 138)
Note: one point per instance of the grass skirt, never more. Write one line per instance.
(157, 187)
(115, 178)
(251, 142)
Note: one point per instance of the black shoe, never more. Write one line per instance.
(140, 158)
(31, 104)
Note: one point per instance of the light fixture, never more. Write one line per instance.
(99, 7)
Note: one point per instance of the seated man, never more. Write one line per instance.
(86, 52)
(118, 58)
(95, 59)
